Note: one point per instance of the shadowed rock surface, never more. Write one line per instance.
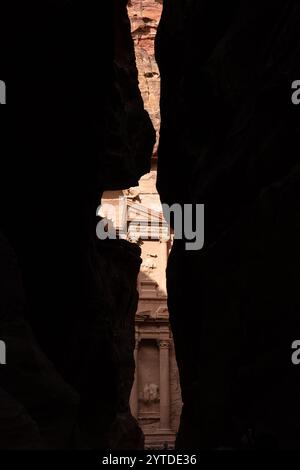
(230, 140)
(75, 127)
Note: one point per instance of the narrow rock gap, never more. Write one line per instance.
(156, 396)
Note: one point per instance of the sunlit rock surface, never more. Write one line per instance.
(145, 16)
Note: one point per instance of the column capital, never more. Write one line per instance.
(164, 343)
(164, 239)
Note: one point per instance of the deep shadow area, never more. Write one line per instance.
(74, 127)
(230, 135)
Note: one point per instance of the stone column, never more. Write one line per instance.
(134, 398)
(164, 360)
(165, 249)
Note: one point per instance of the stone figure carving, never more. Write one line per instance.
(132, 193)
(149, 265)
(151, 393)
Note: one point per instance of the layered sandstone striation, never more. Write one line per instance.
(144, 16)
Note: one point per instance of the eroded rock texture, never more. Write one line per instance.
(145, 16)
(76, 127)
(230, 139)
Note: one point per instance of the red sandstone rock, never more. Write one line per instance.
(145, 16)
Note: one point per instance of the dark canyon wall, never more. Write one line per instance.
(230, 140)
(74, 126)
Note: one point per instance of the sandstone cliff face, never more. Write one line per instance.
(144, 16)
(230, 134)
(78, 127)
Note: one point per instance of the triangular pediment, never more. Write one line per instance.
(141, 212)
